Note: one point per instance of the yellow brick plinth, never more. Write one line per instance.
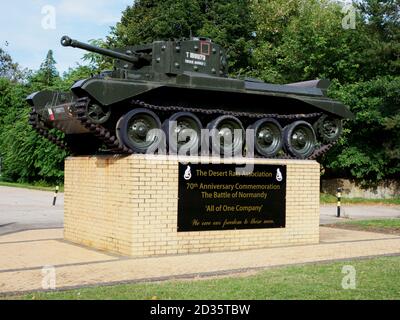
(129, 206)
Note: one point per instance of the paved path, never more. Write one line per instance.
(23, 255)
(22, 209)
(328, 213)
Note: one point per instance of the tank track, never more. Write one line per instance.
(113, 145)
(44, 131)
(224, 112)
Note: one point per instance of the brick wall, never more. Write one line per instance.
(128, 205)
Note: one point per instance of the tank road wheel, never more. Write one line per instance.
(98, 114)
(135, 130)
(185, 130)
(328, 128)
(268, 139)
(300, 140)
(223, 139)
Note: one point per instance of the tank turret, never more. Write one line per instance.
(199, 55)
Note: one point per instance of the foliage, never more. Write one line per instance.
(78, 73)
(331, 199)
(8, 68)
(370, 148)
(304, 39)
(26, 157)
(97, 62)
(41, 185)
(381, 223)
(226, 22)
(382, 24)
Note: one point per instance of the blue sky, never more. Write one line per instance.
(24, 38)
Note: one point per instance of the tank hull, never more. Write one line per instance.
(57, 108)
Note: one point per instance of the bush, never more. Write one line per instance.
(369, 150)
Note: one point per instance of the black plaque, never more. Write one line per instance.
(216, 197)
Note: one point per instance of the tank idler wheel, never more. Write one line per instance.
(183, 132)
(268, 137)
(140, 131)
(328, 128)
(98, 114)
(227, 136)
(300, 140)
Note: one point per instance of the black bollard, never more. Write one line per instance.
(339, 199)
(55, 196)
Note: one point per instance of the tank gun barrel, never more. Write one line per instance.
(68, 42)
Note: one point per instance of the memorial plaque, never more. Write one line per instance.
(216, 197)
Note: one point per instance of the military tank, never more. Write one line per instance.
(180, 88)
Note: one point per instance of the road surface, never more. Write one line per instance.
(22, 209)
(357, 212)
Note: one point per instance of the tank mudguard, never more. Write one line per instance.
(40, 98)
(47, 98)
(328, 105)
(110, 91)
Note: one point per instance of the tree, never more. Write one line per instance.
(382, 24)
(304, 39)
(97, 62)
(27, 157)
(8, 68)
(226, 22)
(148, 20)
(382, 17)
(74, 74)
(370, 148)
(47, 76)
(230, 24)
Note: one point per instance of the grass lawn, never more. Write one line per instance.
(330, 199)
(377, 278)
(379, 225)
(40, 187)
